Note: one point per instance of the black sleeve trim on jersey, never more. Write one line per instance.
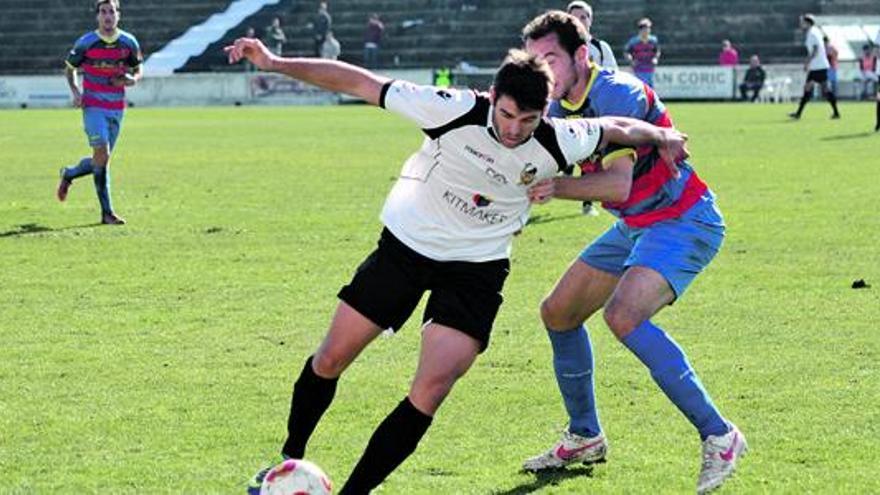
(546, 136)
(598, 45)
(477, 115)
(385, 88)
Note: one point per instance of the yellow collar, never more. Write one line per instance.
(573, 107)
(111, 39)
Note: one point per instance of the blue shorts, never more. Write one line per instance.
(102, 126)
(678, 248)
(646, 77)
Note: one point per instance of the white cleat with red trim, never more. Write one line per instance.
(719, 459)
(572, 448)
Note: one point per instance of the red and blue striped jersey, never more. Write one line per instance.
(643, 52)
(655, 194)
(102, 59)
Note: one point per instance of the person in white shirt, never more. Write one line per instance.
(449, 222)
(600, 51)
(816, 67)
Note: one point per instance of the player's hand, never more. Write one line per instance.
(673, 149)
(251, 49)
(123, 80)
(542, 191)
(77, 100)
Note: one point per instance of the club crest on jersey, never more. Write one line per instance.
(527, 176)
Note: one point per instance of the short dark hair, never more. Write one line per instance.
(809, 19)
(525, 78)
(571, 32)
(98, 3)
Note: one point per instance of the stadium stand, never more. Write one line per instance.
(36, 35)
(426, 33)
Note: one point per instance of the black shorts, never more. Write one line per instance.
(819, 76)
(389, 284)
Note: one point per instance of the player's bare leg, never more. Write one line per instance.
(446, 356)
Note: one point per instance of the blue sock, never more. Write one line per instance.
(84, 167)
(672, 372)
(573, 364)
(102, 187)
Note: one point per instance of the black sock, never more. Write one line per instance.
(877, 126)
(833, 100)
(804, 99)
(392, 442)
(312, 396)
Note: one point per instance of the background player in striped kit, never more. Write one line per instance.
(111, 61)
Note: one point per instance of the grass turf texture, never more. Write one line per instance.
(158, 357)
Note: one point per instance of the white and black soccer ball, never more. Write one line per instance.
(296, 477)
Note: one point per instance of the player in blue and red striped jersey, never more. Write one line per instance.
(643, 52)
(111, 61)
(668, 230)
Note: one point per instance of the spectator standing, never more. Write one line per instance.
(728, 57)
(754, 79)
(832, 54)
(373, 41)
(867, 69)
(643, 52)
(321, 26)
(600, 51)
(331, 49)
(275, 37)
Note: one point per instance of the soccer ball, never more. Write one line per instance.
(296, 477)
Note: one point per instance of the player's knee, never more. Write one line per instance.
(556, 316)
(329, 363)
(101, 157)
(620, 319)
(427, 395)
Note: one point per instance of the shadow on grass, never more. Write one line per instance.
(552, 478)
(843, 137)
(35, 228)
(539, 219)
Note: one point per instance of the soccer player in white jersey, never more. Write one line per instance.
(816, 67)
(600, 51)
(449, 221)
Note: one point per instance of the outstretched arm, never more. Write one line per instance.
(331, 75)
(671, 144)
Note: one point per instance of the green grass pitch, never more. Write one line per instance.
(158, 357)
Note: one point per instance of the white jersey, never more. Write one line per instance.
(602, 54)
(462, 195)
(814, 41)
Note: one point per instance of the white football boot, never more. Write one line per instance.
(570, 449)
(720, 454)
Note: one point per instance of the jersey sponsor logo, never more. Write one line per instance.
(527, 176)
(496, 176)
(475, 208)
(479, 154)
(446, 95)
(481, 201)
